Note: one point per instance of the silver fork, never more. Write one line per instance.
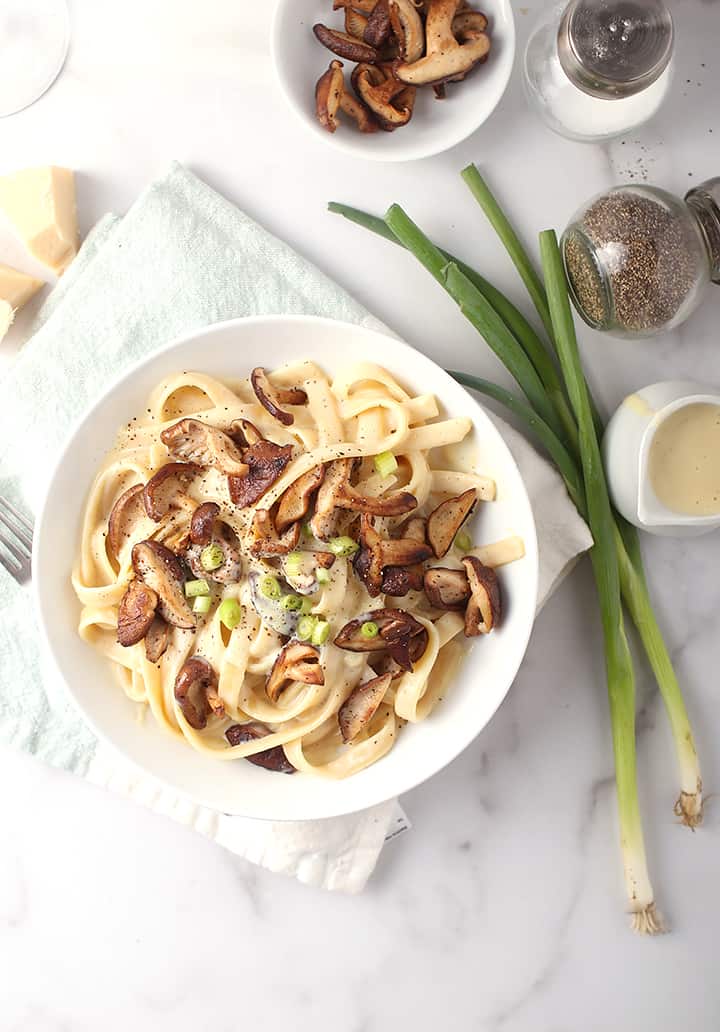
(15, 542)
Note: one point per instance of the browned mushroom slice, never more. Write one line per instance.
(161, 489)
(361, 115)
(387, 98)
(296, 662)
(366, 6)
(446, 58)
(266, 462)
(266, 542)
(398, 580)
(399, 633)
(161, 570)
(446, 589)
(408, 28)
(271, 398)
(271, 759)
(202, 523)
(361, 706)
(329, 90)
(467, 25)
(244, 433)
(376, 553)
(345, 45)
(203, 445)
(295, 502)
(336, 492)
(440, 91)
(125, 512)
(355, 22)
(156, 640)
(484, 609)
(445, 521)
(136, 613)
(378, 29)
(196, 692)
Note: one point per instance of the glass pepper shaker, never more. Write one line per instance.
(594, 69)
(638, 259)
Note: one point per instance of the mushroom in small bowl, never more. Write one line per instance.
(393, 80)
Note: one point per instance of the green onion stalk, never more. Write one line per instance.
(482, 303)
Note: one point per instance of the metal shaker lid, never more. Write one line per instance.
(615, 48)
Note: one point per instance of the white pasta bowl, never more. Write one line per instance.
(436, 125)
(230, 350)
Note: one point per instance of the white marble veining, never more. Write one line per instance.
(502, 909)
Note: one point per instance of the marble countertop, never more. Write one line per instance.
(503, 908)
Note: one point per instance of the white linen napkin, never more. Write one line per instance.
(181, 258)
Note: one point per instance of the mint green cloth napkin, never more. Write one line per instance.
(183, 257)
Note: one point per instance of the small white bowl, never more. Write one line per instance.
(626, 450)
(229, 350)
(436, 125)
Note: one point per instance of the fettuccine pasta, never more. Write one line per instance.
(279, 569)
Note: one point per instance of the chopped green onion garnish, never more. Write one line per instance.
(230, 612)
(322, 575)
(385, 463)
(343, 546)
(211, 557)
(321, 632)
(463, 541)
(306, 606)
(193, 588)
(294, 564)
(369, 629)
(307, 530)
(202, 604)
(305, 628)
(270, 587)
(292, 603)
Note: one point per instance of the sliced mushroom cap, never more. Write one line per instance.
(126, 511)
(446, 589)
(329, 90)
(399, 633)
(408, 29)
(360, 114)
(377, 553)
(244, 433)
(337, 492)
(468, 25)
(156, 640)
(378, 28)
(344, 44)
(196, 692)
(266, 462)
(389, 99)
(203, 445)
(161, 570)
(295, 502)
(446, 59)
(361, 706)
(271, 759)
(202, 523)
(271, 398)
(445, 521)
(398, 580)
(366, 6)
(231, 569)
(266, 542)
(136, 613)
(162, 489)
(355, 23)
(296, 662)
(484, 609)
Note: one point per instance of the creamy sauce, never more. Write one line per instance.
(684, 462)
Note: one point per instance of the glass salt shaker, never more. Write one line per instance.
(594, 69)
(638, 259)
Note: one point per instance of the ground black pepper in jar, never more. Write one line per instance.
(638, 259)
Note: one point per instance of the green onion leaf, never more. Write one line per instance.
(305, 628)
(270, 587)
(294, 564)
(291, 603)
(343, 546)
(306, 606)
(321, 632)
(369, 629)
(463, 541)
(202, 604)
(322, 575)
(193, 588)
(385, 464)
(211, 557)
(230, 613)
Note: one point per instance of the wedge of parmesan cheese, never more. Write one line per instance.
(40, 203)
(16, 288)
(7, 314)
